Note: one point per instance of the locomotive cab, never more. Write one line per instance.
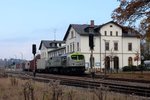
(76, 62)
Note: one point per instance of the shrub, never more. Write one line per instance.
(130, 68)
(135, 68)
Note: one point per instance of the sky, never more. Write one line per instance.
(27, 22)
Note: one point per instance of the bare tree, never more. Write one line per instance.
(134, 11)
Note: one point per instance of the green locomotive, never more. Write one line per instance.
(68, 63)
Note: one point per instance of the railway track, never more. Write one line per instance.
(123, 79)
(127, 87)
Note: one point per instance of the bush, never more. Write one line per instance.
(135, 68)
(126, 68)
(141, 67)
(130, 68)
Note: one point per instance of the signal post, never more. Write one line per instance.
(91, 45)
(34, 65)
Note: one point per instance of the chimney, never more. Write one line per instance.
(92, 23)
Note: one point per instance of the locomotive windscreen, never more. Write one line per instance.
(77, 57)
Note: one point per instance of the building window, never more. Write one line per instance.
(72, 34)
(110, 33)
(68, 48)
(116, 46)
(59, 44)
(77, 46)
(55, 44)
(111, 26)
(73, 47)
(50, 44)
(129, 46)
(116, 33)
(105, 33)
(106, 45)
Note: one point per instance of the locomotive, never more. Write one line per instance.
(73, 63)
(67, 63)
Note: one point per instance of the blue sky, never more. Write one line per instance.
(27, 22)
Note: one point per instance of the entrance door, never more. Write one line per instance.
(107, 63)
(116, 63)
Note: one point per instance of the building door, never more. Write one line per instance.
(116, 63)
(107, 63)
(130, 61)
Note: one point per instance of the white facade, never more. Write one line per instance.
(47, 46)
(117, 37)
(73, 42)
(112, 34)
(44, 52)
(57, 52)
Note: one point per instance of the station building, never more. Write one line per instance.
(115, 46)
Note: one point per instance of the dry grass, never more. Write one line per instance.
(17, 89)
(9, 92)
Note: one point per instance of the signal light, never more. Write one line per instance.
(91, 41)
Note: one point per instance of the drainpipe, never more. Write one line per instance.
(100, 52)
